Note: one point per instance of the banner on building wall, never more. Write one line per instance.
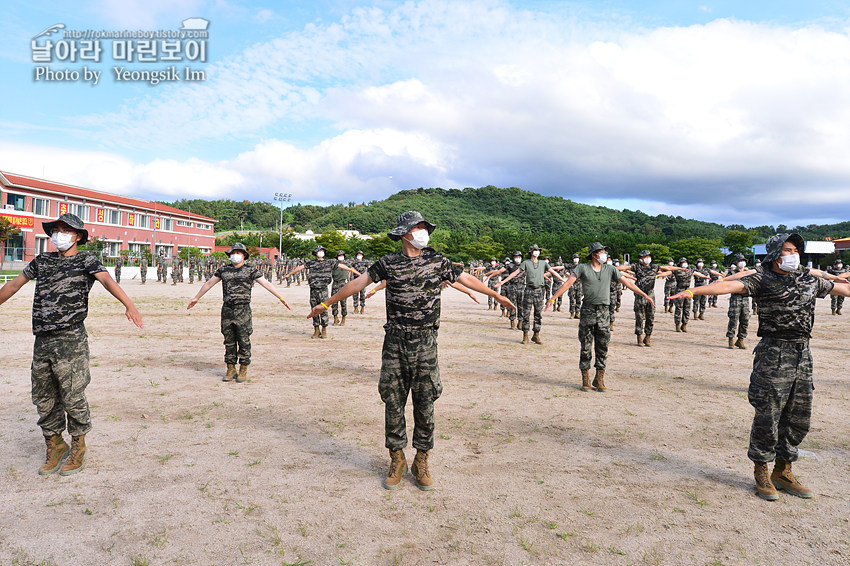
(131, 219)
(101, 215)
(18, 220)
(63, 208)
(156, 224)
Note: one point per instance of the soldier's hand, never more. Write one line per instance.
(549, 303)
(134, 317)
(282, 300)
(317, 310)
(192, 303)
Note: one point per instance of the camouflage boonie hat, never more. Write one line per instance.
(739, 257)
(359, 252)
(682, 260)
(73, 221)
(575, 255)
(340, 253)
(595, 247)
(669, 259)
(238, 247)
(644, 253)
(406, 222)
(534, 248)
(493, 259)
(775, 243)
(319, 247)
(517, 253)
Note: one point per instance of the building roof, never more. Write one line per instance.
(13, 180)
(812, 247)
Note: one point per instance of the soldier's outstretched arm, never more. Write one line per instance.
(271, 289)
(637, 290)
(206, 287)
(115, 289)
(465, 291)
(375, 289)
(12, 287)
(556, 274)
(717, 288)
(468, 280)
(564, 288)
(509, 277)
(840, 290)
(738, 275)
(353, 286)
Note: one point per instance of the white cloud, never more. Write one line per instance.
(475, 93)
(146, 14)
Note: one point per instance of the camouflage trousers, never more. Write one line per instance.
(556, 286)
(60, 374)
(409, 365)
(644, 314)
(515, 294)
(781, 393)
(837, 302)
(739, 316)
(575, 295)
(683, 309)
(669, 291)
(532, 305)
(319, 295)
(143, 273)
(712, 300)
(174, 275)
(343, 304)
(118, 275)
(237, 326)
(699, 302)
(594, 333)
(191, 275)
(612, 306)
(492, 284)
(359, 298)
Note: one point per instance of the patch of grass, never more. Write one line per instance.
(255, 462)
(586, 512)
(140, 561)
(692, 495)
(615, 550)
(164, 459)
(566, 535)
(525, 544)
(589, 546)
(160, 539)
(551, 525)
(233, 453)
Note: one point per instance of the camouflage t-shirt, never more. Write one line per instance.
(413, 288)
(62, 289)
(786, 302)
(683, 278)
(699, 281)
(320, 271)
(236, 283)
(510, 267)
(645, 276)
(360, 266)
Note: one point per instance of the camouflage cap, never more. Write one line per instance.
(739, 257)
(517, 253)
(359, 252)
(699, 259)
(575, 255)
(238, 247)
(644, 253)
(682, 260)
(838, 260)
(340, 253)
(73, 221)
(669, 259)
(406, 222)
(775, 243)
(595, 247)
(493, 259)
(533, 248)
(319, 247)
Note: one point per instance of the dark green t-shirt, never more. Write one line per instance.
(534, 272)
(596, 285)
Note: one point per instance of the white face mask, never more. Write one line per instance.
(62, 241)
(839, 265)
(670, 263)
(236, 257)
(742, 264)
(320, 254)
(359, 258)
(603, 258)
(700, 264)
(575, 260)
(535, 253)
(647, 260)
(685, 265)
(493, 263)
(517, 260)
(789, 262)
(340, 258)
(420, 239)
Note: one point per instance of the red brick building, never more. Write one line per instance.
(126, 224)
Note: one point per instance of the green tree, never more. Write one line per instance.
(739, 242)
(694, 248)
(190, 251)
(7, 230)
(483, 248)
(332, 240)
(381, 245)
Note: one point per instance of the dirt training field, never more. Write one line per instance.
(287, 468)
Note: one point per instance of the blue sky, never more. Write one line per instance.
(733, 112)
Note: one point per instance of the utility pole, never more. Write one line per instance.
(282, 198)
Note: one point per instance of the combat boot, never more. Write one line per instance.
(324, 333)
(336, 320)
(764, 486)
(599, 381)
(585, 380)
(783, 479)
(639, 340)
(701, 316)
(342, 321)
(231, 373)
(558, 308)
(731, 343)
(57, 449)
(535, 337)
(833, 312)
(419, 469)
(243, 374)
(524, 338)
(612, 325)
(316, 332)
(513, 325)
(740, 344)
(398, 467)
(362, 309)
(76, 460)
(838, 311)
(647, 342)
(684, 327)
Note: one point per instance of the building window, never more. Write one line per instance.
(167, 224)
(141, 220)
(138, 249)
(15, 248)
(204, 226)
(41, 207)
(112, 248)
(41, 245)
(184, 224)
(78, 210)
(113, 217)
(15, 202)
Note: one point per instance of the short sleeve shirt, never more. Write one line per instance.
(340, 275)
(645, 276)
(699, 281)
(236, 283)
(414, 285)
(62, 289)
(786, 302)
(683, 278)
(320, 271)
(597, 285)
(534, 272)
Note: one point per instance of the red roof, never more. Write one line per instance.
(97, 196)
